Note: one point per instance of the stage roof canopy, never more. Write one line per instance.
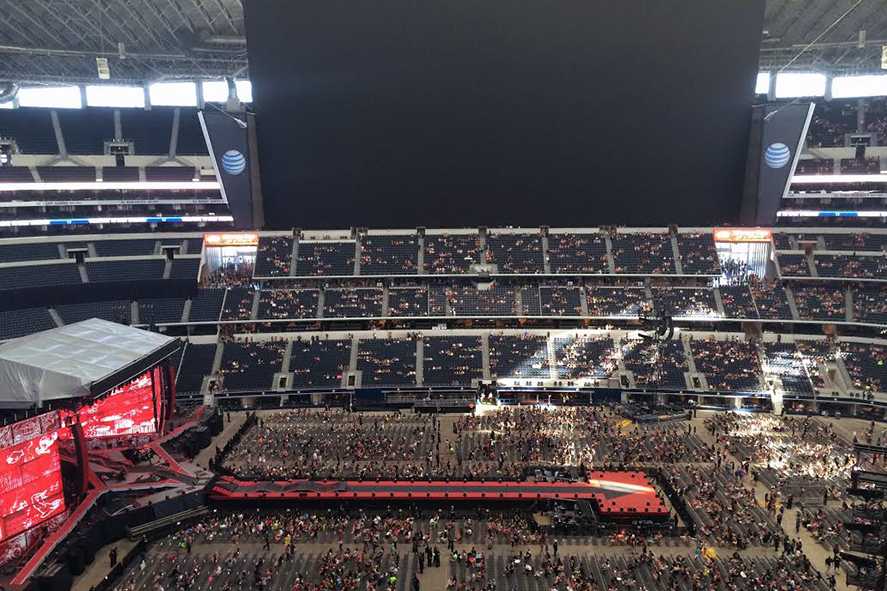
(84, 359)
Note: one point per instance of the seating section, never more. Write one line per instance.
(387, 362)
(206, 306)
(19, 323)
(14, 174)
(516, 253)
(793, 265)
(561, 301)
(185, 268)
(686, 302)
(66, 174)
(452, 361)
(770, 300)
(858, 267)
(867, 365)
(119, 311)
(451, 254)
(120, 174)
(131, 270)
(738, 302)
(870, 305)
(39, 276)
(856, 242)
(125, 248)
(408, 302)
(830, 123)
(251, 366)
(643, 254)
(659, 365)
(389, 255)
(353, 303)
(698, 254)
(197, 362)
(161, 310)
(584, 357)
(469, 301)
(238, 303)
(31, 128)
(173, 174)
(274, 256)
(524, 356)
(785, 361)
(280, 304)
(820, 303)
(730, 366)
(618, 301)
(319, 363)
(578, 253)
(11, 253)
(325, 259)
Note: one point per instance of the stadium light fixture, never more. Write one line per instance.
(215, 91)
(800, 84)
(54, 97)
(244, 91)
(762, 85)
(173, 94)
(859, 86)
(115, 96)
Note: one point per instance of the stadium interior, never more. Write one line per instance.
(193, 398)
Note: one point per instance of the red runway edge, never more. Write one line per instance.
(614, 494)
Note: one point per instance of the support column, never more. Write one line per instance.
(848, 303)
(321, 298)
(485, 355)
(546, 264)
(352, 363)
(384, 301)
(420, 361)
(611, 262)
(420, 259)
(295, 256)
(719, 303)
(676, 252)
(790, 296)
(357, 253)
(254, 313)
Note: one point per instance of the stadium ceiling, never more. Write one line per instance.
(59, 40)
(143, 40)
(791, 26)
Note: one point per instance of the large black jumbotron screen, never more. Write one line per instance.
(404, 113)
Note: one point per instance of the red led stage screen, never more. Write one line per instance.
(30, 483)
(127, 410)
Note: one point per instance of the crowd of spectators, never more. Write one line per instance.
(495, 300)
(560, 301)
(516, 253)
(408, 302)
(699, 255)
(737, 301)
(793, 265)
(584, 357)
(387, 361)
(318, 363)
(325, 259)
(618, 301)
(363, 302)
(335, 444)
(770, 300)
(238, 304)
(578, 253)
(251, 365)
(870, 304)
(451, 254)
(818, 302)
(802, 457)
(389, 255)
(869, 165)
(283, 304)
(815, 166)
(867, 365)
(730, 365)
(519, 356)
(685, 301)
(274, 256)
(656, 364)
(643, 254)
(456, 360)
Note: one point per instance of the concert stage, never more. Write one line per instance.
(615, 495)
